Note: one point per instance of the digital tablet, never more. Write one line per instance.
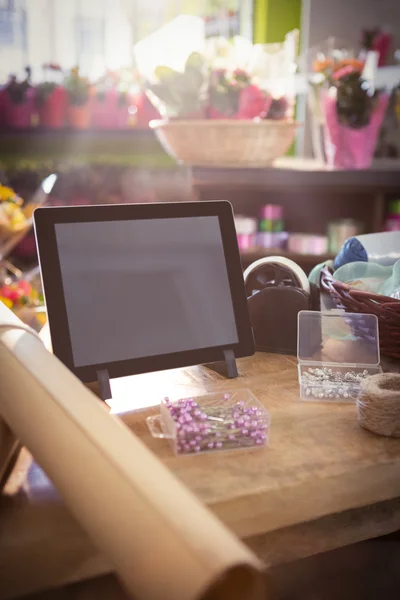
(134, 288)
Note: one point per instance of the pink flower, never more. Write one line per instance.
(253, 103)
(343, 72)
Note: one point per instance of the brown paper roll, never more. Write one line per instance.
(163, 542)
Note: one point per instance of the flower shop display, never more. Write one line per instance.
(13, 221)
(346, 105)
(112, 104)
(78, 110)
(252, 143)
(20, 293)
(26, 300)
(223, 104)
(227, 80)
(104, 107)
(18, 102)
(51, 99)
(115, 101)
(233, 95)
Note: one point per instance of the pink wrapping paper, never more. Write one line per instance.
(348, 148)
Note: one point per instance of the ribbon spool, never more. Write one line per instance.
(275, 270)
(378, 404)
(277, 290)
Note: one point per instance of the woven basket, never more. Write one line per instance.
(225, 143)
(356, 301)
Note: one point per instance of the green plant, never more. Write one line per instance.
(43, 91)
(77, 88)
(183, 94)
(17, 90)
(355, 100)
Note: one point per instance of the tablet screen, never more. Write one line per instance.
(146, 287)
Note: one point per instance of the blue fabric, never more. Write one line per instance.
(352, 251)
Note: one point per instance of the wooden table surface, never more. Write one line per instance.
(322, 483)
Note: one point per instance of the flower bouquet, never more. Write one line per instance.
(215, 99)
(348, 107)
(51, 99)
(14, 223)
(26, 301)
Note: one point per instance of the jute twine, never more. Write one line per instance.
(378, 404)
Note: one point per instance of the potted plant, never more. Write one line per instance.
(111, 103)
(350, 110)
(103, 102)
(217, 113)
(131, 110)
(78, 88)
(19, 101)
(51, 100)
(233, 95)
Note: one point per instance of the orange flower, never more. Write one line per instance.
(329, 63)
(355, 63)
(322, 65)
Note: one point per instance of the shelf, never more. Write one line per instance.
(256, 253)
(297, 174)
(125, 147)
(35, 132)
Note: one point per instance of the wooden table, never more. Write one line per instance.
(323, 482)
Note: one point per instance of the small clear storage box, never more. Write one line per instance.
(336, 351)
(213, 422)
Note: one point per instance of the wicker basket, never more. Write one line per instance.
(225, 143)
(356, 301)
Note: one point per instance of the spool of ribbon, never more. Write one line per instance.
(304, 243)
(283, 261)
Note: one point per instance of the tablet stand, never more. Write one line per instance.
(227, 367)
(103, 379)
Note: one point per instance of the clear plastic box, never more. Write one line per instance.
(336, 351)
(216, 422)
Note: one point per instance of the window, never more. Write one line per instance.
(12, 22)
(90, 43)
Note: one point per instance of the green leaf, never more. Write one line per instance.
(195, 61)
(193, 78)
(163, 72)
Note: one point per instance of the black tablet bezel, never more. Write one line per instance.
(45, 220)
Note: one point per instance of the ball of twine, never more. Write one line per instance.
(378, 404)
